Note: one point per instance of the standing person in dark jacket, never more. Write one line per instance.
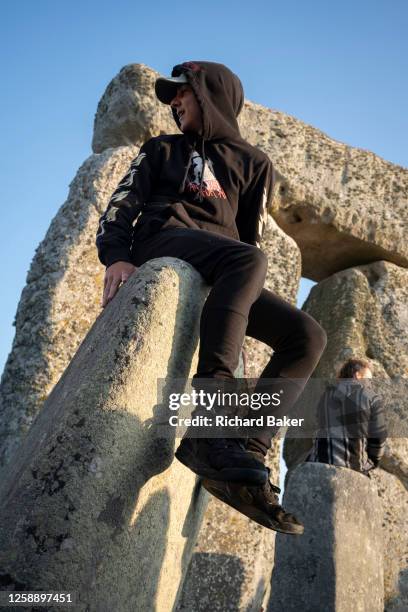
(203, 196)
(352, 430)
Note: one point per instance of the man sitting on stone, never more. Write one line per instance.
(203, 195)
(352, 430)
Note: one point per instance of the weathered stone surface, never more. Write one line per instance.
(344, 206)
(129, 112)
(364, 311)
(336, 565)
(93, 502)
(61, 298)
(394, 505)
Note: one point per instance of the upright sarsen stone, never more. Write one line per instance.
(93, 502)
(337, 564)
(61, 299)
(129, 112)
(364, 311)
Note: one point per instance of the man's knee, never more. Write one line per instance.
(248, 261)
(258, 258)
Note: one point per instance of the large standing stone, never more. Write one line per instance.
(94, 503)
(61, 299)
(394, 505)
(336, 565)
(129, 112)
(344, 206)
(364, 311)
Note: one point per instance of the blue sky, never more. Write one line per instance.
(339, 66)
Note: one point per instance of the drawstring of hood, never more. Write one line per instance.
(190, 156)
(200, 191)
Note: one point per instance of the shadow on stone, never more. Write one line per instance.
(92, 498)
(400, 602)
(336, 565)
(214, 571)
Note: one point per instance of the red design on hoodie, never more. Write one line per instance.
(211, 186)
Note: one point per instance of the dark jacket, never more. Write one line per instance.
(215, 181)
(352, 430)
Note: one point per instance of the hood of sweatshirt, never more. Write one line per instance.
(220, 95)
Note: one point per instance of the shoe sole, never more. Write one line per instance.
(245, 476)
(251, 512)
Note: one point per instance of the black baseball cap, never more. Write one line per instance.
(166, 87)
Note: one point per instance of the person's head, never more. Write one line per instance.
(188, 110)
(355, 368)
(211, 102)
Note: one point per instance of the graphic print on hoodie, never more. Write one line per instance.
(211, 188)
(167, 185)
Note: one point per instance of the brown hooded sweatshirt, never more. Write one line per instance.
(214, 181)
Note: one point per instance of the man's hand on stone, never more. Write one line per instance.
(116, 274)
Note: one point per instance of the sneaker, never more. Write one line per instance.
(260, 504)
(222, 459)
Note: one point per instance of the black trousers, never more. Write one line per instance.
(239, 305)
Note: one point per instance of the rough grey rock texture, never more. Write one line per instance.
(344, 206)
(394, 505)
(336, 565)
(93, 502)
(129, 112)
(364, 311)
(61, 298)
